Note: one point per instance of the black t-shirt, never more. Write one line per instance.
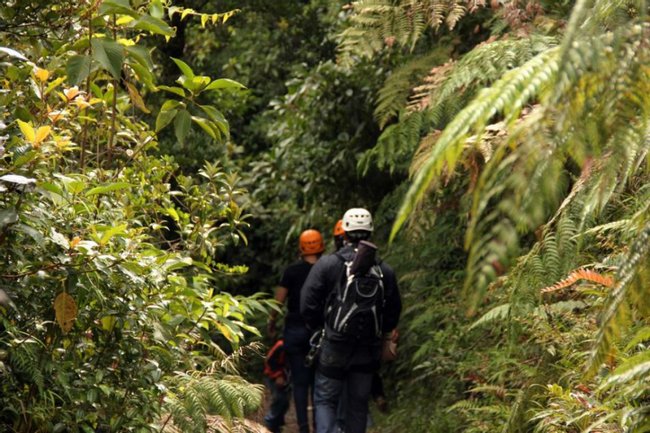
(292, 279)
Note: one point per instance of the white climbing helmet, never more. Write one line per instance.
(357, 219)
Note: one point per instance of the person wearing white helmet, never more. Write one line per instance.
(353, 297)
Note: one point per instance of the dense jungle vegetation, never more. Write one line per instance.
(158, 159)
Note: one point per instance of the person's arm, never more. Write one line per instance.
(281, 297)
(393, 308)
(314, 293)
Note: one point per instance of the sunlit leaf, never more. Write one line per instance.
(65, 309)
(118, 186)
(153, 25)
(225, 83)
(27, 130)
(184, 67)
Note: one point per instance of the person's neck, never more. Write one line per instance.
(311, 258)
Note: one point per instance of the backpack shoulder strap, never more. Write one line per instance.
(340, 256)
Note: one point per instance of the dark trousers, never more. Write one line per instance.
(274, 418)
(329, 393)
(296, 343)
(343, 384)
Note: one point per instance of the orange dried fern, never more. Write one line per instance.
(580, 274)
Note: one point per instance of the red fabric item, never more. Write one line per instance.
(275, 362)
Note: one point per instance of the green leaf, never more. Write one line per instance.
(642, 335)
(166, 114)
(156, 9)
(206, 125)
(173, 89)
(634, 368)
(499, 313)
(29, 231)
(153, 25)
(144, 75)
(108, 188)
(217, 117)
(184, 67)
(109, 54)
(118, 7)
(213, 113)
(50, 187)
(173, 213)
(225, 83)
(77, 69)
(140, 55)
(182, 125)
(194, 84)
(108, 234)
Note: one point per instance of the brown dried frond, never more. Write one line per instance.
(422, 95)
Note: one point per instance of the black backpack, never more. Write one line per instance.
(354, 310)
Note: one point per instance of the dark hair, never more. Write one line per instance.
(356, 236)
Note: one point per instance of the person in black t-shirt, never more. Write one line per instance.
(296, 335)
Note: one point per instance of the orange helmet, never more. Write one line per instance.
(338, 228)
(311, 242)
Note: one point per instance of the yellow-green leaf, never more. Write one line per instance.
(65, 309)
(136, 98)
(41, 134)
(27, 130)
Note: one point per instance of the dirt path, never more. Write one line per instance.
(290, 426)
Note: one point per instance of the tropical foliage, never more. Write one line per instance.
(501, 146)
(112, 315)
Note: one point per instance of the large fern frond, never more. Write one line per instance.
(201, 395)
(394, 94)
(518, 189)
(379, 24)
(617, 308)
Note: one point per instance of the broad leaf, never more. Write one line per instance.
(206, 125)
(225, 83)
(166, 114)
(153, 25)
(109, 54)
(173, 89)
(117, 7)
(182, 125)
(108, 188)
(27, 130)
(136, 98)
(184, 67)
(65, 309)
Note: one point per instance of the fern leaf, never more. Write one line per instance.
(634, 368)
(394, 94)
(577, 275)
(506, 94)
(617, 309)
(499, 312)
(641, 336)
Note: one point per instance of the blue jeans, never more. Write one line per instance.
(296, 344)
(274, 418)
(328, 393)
